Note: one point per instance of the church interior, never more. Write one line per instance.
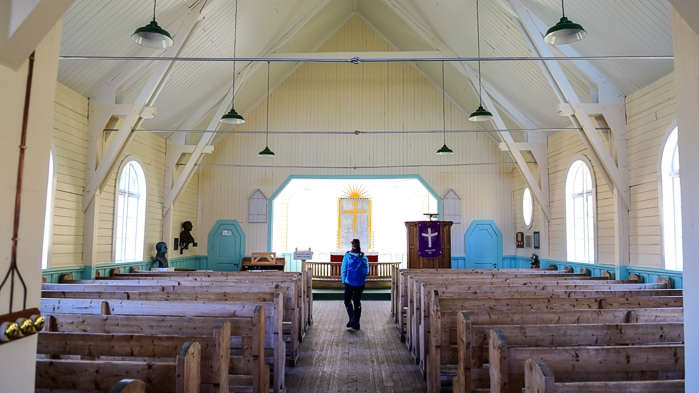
(462, 142)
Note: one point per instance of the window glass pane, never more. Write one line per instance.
(671, 203)
(130, 214)
(580, 212)
(527, 207)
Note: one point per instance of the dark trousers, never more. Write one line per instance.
(353, 295)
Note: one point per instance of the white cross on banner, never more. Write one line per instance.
(429, 243)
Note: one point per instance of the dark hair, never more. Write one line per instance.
(355, 246)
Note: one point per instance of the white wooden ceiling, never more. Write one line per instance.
(618, 31)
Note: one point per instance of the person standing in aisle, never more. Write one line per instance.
(355, 267)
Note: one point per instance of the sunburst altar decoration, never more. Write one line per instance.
(355, 191)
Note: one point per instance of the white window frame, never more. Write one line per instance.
(581, 239)
(137, 208)
(527, 208)
(670, 201)
(48, 215)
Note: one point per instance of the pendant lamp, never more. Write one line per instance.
(480, 114)
(266, 152)
(565, 31)
(232, 117)
(444, 149)
(152, 35)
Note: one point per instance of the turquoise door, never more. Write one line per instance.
(483, 245)
(226, 246)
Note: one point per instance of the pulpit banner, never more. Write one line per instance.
(429, 243)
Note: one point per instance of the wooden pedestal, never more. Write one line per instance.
(417, 262)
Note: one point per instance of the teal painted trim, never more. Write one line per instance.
(53, 275)
(458, 262)
(270, 216)
(651, 275)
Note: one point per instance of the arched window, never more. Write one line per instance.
(580, 213)
(527, 208)
(48, 215)
(671, 203)
(130, 215)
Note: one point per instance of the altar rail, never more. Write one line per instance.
(327, 274)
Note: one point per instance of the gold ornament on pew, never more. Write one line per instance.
(10, 331)
(26, 326)
(38, 321)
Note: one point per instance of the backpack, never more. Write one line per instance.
(356, 273)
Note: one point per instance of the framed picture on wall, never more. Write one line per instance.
(527, 241)
(537, 240)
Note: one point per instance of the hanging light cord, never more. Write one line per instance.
(154, 2)
(235, 44)
(563, 10)
(444, 117)
(478, 35)
(267, 133)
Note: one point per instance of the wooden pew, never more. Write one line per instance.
(295, 287)
(180, 375)
(420, 323)
(416, 301)
(582, 363)
(473, 331)
(242, 363)
(273, 323)
(437, 333)
(401, 283)
(215, 349)
(538, 378)
(295, 301)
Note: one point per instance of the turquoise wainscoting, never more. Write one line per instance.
(54, 275)
(595, 269)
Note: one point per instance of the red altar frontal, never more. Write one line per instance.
(337, 256)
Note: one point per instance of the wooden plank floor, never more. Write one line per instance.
(334, 359)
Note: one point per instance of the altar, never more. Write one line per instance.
(337, 256)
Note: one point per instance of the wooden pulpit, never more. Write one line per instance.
(415, 261)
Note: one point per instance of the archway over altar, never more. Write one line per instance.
(305, 212)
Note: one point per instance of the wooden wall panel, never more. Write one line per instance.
(650, 112)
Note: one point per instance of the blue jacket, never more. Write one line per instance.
(355, 268)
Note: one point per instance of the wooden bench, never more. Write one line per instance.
(479, 279)
(538, 378)
(298, 295)
(181, 374)
(399, 284)
(215, 349)
(582, 363)
(296, 299)
(437, 332)
(473, 331)
(273, 325)
(419, 318)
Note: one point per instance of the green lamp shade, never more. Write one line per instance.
(152, 36)
(564, 32)
(232, 117)
(480, 115)
(445, 150)
(266, 153)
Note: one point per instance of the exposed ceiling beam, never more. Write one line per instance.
(24, 24)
